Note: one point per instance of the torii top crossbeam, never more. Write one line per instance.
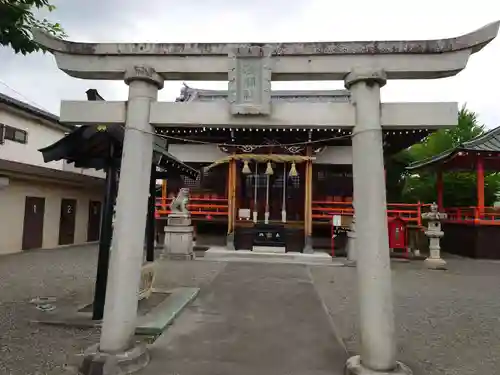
(417, 59)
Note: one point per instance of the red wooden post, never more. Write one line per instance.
(419, 214)
(480, 184)
(440, 186)
(164, 195)
(333, 237)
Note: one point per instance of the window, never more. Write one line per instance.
(13, 134)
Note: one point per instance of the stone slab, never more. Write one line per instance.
(153, 323)
(269, 249)
(161, 317)
(317, 258)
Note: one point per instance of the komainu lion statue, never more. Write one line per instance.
(179, 204)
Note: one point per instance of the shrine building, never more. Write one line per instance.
(290, 179)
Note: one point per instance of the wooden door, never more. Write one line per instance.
(67, 222)
(94, 221)
(34, 211)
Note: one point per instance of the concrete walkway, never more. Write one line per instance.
(252, 319)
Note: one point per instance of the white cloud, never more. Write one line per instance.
(38, 79)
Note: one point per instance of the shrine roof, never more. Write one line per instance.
(394, 140)
(94, 146)
(474, 41)
(487, 144)
(189, 94)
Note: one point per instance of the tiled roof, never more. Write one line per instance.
(10, 101)
(488, 142)
(89, 145)
(193, 94)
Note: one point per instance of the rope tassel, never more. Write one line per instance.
(293, 171)
(246, 168)
(259, 158)
(269, 169)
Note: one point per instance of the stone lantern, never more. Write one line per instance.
(434, 232)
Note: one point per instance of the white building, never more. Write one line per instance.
(42, 205)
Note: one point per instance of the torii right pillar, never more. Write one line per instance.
(376, 315)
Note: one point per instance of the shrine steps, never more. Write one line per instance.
(222, 254)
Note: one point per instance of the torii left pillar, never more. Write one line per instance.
(117, 352)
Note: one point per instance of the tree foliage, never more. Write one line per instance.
(18, 18)
(459, 187)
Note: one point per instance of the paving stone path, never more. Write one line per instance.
(252, 319)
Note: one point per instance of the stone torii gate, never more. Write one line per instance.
(364, 67)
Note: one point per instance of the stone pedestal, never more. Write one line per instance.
(178, 238)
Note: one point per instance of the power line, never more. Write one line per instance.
(23, 96)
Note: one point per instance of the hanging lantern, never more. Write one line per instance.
(246, 168)
(269, 169)
(293, 171)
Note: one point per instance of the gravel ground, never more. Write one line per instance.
(448, 322)
(26, 348)
(32, 349)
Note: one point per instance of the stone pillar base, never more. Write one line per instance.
(308, 249)
(127, 362)
(353, 366)
(435, 263)
(178, 237)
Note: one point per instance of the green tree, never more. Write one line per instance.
(396, 175)
(468, 127)
(459, 188)
(17, 19)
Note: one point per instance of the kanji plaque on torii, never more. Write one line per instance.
(250, 80)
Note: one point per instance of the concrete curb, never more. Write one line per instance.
(155, 322)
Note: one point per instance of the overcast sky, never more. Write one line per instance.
(36, 79)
